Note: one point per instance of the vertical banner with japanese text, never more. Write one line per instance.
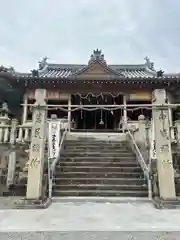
(153, 141)
(54, 138)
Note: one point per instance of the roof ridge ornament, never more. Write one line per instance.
(43, 63)
(35, 73)
(3, 69)
(160, 73)
(148, 63)
(97, 56)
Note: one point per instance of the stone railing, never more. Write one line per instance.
(22, 133)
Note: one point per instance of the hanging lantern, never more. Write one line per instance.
(101, 122)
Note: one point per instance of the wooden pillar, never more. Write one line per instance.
(163, 147)
(69, 112)
(36, 157)
(124, 111)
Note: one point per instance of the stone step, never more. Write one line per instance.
(95, 149)
(97, 154)
(98, 141)
(99, 187)
(96, 159)
(102, 180)
(98, 163)
(94, 145)
(100, 193)
(104, 169)
(104, 151)
(97, 174)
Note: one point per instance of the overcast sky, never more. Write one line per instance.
(67, 31)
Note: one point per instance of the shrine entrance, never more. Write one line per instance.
(96, 119)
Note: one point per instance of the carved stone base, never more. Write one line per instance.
(33, 203)
(166, 204)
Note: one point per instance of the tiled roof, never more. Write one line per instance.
(50, 70)
(64, 71)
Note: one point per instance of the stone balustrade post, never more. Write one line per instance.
(142, 130)
(13, 131)
(12, 154)
(20, 134)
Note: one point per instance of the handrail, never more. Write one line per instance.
(142, 163)
(52, 166)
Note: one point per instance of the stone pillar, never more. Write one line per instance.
(163, 147)
(13, 133)
(12, 155)
(142, 130)
(36, 156)
(25, 108)
(11, 168)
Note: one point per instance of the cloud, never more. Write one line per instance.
(68, 31)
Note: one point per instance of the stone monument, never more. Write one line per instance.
(165, 168)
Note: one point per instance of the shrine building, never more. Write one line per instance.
(93, 83)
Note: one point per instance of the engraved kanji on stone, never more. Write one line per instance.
(38, 117)
(35, 147)
(54, 144)
(54, 126)
(164, 132)
(37, 133)
(154, 148)
(34, 162)
(162, 116)
(167, 162)
(164, 148)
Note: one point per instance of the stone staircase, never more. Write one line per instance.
(93, 167)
